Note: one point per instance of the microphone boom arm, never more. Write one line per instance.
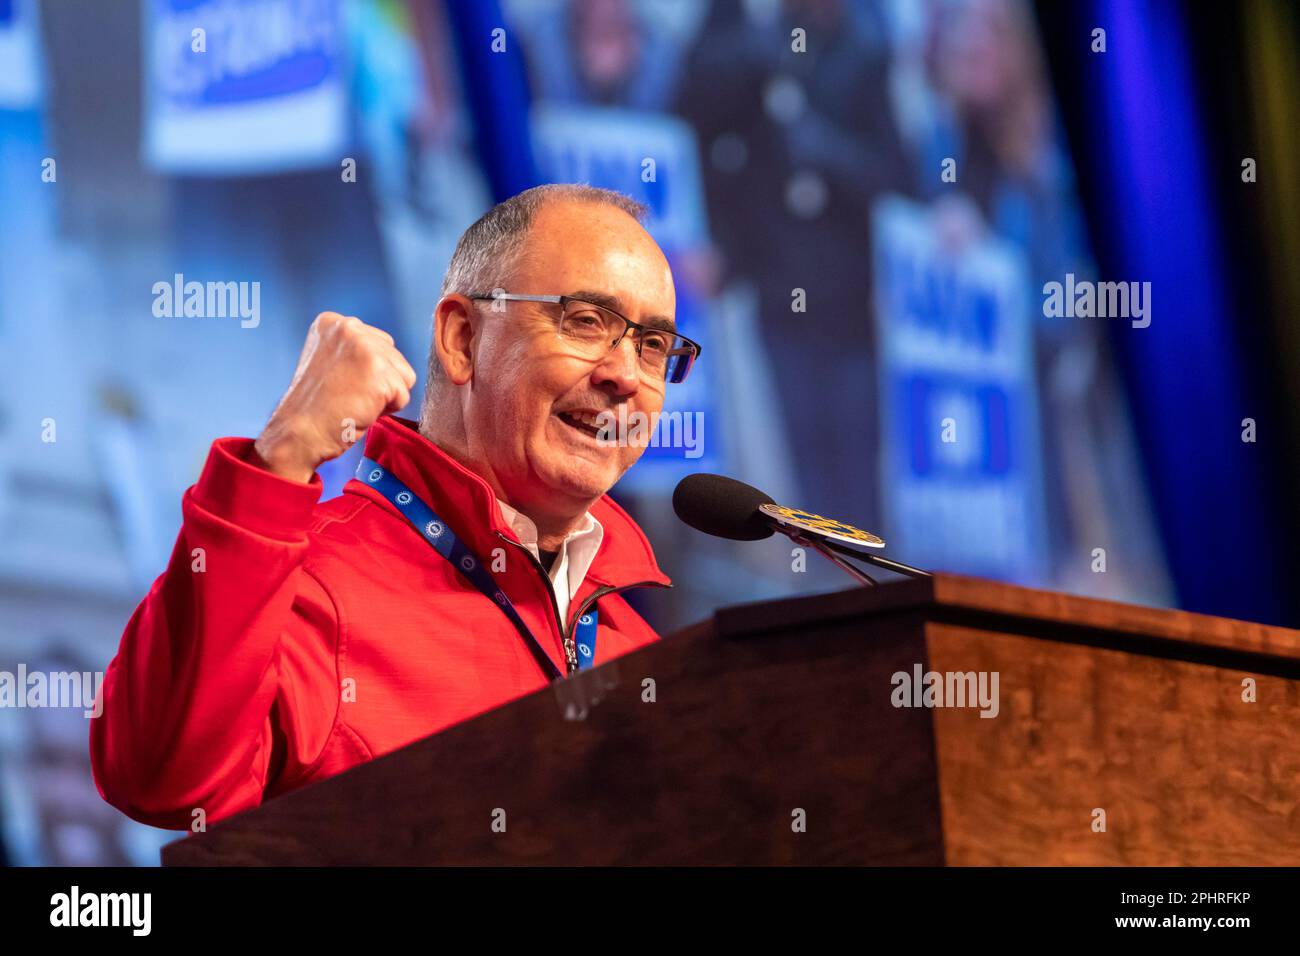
(833, 550)
(820, 546)
(881, 562)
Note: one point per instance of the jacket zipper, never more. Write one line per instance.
(566, 628)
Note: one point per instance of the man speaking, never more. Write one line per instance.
(473, 559)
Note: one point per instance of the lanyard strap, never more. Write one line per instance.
(586, 639)
(443, 540)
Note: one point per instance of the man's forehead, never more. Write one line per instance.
(599, 250)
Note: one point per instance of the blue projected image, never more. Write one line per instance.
(874, 343)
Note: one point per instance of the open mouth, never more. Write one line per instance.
(586, 422)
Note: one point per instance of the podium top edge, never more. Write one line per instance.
(957, 599)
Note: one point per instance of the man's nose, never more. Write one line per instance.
(621, 368)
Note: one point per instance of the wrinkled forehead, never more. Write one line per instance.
(594, 247)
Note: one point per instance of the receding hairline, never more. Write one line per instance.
(494, 243)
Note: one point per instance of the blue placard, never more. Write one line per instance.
(961, 460)
(243, 86)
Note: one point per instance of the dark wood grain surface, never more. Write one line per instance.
(784, 706)
(741, 736)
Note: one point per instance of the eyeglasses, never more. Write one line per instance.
(594, 331)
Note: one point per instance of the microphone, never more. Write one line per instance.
(722, 507)
(726, 508)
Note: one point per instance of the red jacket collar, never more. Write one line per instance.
(468, 503)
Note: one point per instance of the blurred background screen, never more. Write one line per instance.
(862, 203)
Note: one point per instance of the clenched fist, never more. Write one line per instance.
(348, 375)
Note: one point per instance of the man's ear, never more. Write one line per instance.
(453, 337)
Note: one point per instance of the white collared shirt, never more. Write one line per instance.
(574, 559)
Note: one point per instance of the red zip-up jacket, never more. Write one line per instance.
(289, 640)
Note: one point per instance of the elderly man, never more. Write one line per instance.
(472, 560)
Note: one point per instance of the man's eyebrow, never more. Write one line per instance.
(615, 304)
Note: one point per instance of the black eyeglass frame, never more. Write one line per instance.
(692, 349)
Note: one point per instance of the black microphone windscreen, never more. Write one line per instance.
(721, 506)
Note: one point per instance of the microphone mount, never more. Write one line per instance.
(835, 552)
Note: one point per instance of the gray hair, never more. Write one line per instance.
(488, 251)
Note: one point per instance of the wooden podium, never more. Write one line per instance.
(770, 735)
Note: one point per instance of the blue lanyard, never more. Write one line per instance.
(443, 540)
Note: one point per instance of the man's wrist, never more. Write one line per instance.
(283, 459)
